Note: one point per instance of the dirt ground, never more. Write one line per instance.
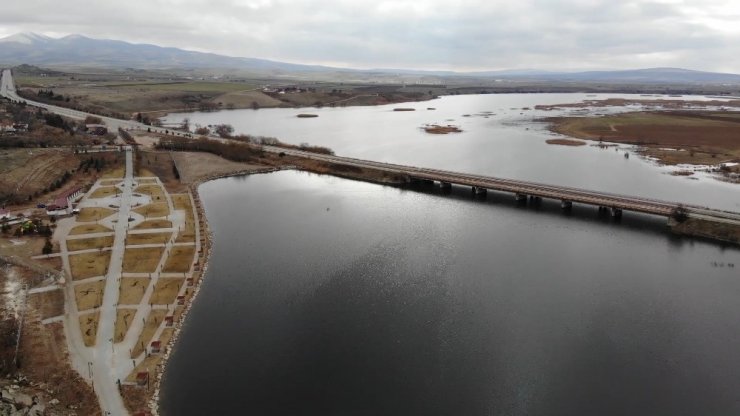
(194, 166)
(88, 243)
(155, 210)
(149, 238)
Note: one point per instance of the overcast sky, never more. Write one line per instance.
(421, 34)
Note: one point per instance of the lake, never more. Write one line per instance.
(326, 296)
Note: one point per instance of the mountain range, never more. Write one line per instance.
(77, 51)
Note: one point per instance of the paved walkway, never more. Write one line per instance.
(107, 362)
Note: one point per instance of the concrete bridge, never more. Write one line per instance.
(524, 190)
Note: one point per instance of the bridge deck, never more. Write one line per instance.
(569, 194)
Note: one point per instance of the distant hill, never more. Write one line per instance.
(81, 51)
(77, 51)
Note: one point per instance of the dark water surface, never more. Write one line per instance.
(332, 297)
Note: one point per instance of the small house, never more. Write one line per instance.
(155, 347)
(142, 378)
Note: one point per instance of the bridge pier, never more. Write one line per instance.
(565, 204)
(616, 212)
(445, 185)
(521, 197)
(479, 191)
(535, 198)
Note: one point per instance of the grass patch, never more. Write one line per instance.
(154, 191)
(89, 328)
(187, 233)
(179, 260)
(109, 182)
(154, 210)
(89, 264)
(141, 260)
(88, 243)
(201, 87)
(147, 238)
(89, 295)
(114, 173)
(105, 191)
(153, 321)
(131, 290)
(89, 229)
(94, 214)
(166, 290)
(153, 224)
(147, 181)
(124, 317)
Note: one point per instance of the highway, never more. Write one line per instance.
(7, 90)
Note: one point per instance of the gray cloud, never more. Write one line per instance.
(434, 34)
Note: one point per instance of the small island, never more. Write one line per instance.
(438, 129)
(306, 115)
(565, 142)
(404, 109)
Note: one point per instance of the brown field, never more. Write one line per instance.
(124, 316)
(94, 214)
(89, 264)
(89, 327)
(156, 210)
(141, 260)
(49, 303)
(194, 165)
(89, 229)
(26, 172)
(148, 238)
(153, 224)
(132, 289)
(565, 142)
(88, 243)
(180, 259)
(151, 324)
(245, 99)
(89, 295)
(166, 290)
(147, 181)
(698, 137)
(154, 191)
(105, 191)
(109, 182)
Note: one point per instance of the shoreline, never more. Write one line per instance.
(207, 236)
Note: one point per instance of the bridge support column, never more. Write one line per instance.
(535, 198)
(616, 212)
(445, 185)
(521, 197)
(603, 209)
(479, 191)
(565, 204)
